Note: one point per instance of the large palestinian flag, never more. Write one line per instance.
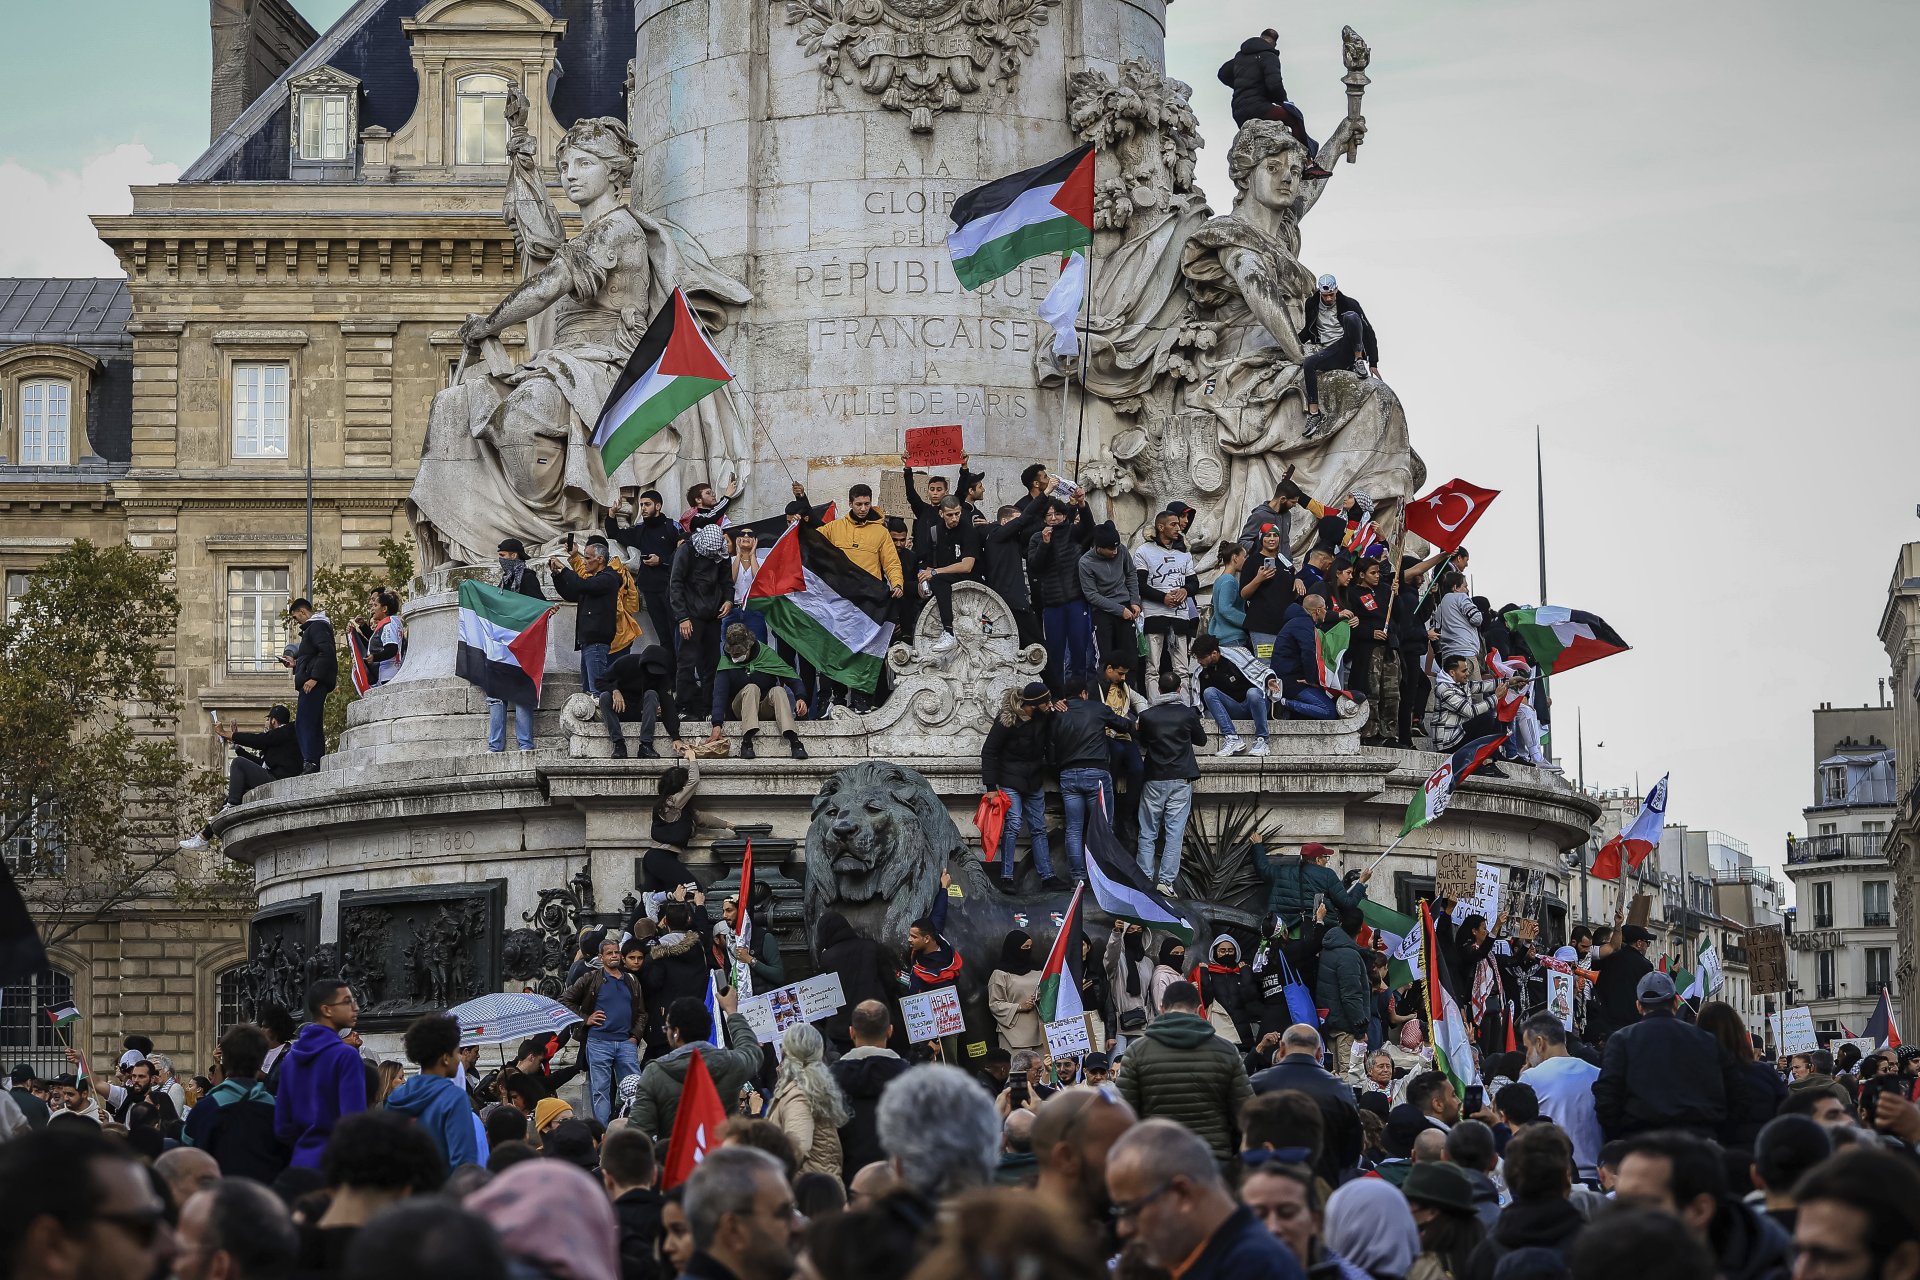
(828, 608)
(1036, 213)
(1059, 994)
(1562, 639)
(1446, 1028)
(503, 642)
(672, 369)
(1121, 888)
(1437, 792)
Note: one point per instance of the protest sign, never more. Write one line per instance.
(1796, 1031)
(1766, 959)
(1453, 874)
(929, 1015)
(1069, 1037)
(1485, 897)
(1560, 997)
(771, 1014)
(934, 447)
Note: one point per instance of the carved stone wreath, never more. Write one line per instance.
(919, 56)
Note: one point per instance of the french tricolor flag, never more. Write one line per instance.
(1880, 1027)
(1637, 841)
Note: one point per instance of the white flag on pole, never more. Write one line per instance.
(1061, 307)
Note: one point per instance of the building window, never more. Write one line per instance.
(1873, 828)
(19, 582)
(228, 985)
(1823, 904)
(1833, 783)
(480, 119)
(1879, 968)
(45, 422)
(35, 848)
(25, 1033)
(1823, 975)
(323, 126)
(260, 409)
(256, 618)
(1873, 904)
(1829, 828)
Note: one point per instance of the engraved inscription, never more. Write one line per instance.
(938, 333)
(911, 275)
(919, 402)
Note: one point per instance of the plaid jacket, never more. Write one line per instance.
(1454, 705)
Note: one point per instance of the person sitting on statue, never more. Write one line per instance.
(750, 680)
(1463, 707)
(1234, 683)
(595, 589)
(926, 511)
(704, 504)
(952, 553)
(640, 687)
(1341, 354)
(1321, 329)
(700, 589)
(1260, 91)
(1296, 659)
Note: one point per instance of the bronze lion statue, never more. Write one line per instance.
(880, 839)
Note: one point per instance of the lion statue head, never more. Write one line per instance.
(880, 839)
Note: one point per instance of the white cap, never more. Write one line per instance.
(1328, 282)
(130, 1057)
(1566, 955)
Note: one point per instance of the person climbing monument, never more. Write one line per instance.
(1260, 92)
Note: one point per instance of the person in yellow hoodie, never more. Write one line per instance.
(626, 626)
(862, 534)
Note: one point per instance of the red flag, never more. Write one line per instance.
(1445, 516)
(362, 680)
(695, 1125)
(1511, 1046)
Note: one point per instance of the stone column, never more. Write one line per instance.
(819, 159)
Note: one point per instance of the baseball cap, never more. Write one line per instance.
(1632, 933)
(1327, 282)
(1655, 988)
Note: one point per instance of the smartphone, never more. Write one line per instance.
(569, 540)
(1476, 1100)
(1870, 1094)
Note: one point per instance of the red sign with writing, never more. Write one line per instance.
(934, 446)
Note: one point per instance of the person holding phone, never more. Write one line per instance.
(279, 758)
(609, 998)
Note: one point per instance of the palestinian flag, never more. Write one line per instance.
(1059, 993)
(1640, 838)
(1036, 213)
(503, 642)
(1562, 639)
(1119, 886)
(828, 608)
(1402, 935)
(1452, 1044)
(672, 369)
(1437, 793)
(65, 1016)
(742, 924)
(1335, 656)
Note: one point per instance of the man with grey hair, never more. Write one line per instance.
(186, 1170)
(1017, 1167)
(235, 1230)
(940, 1131)
(740, 1210)
(1168, 1196)
(1299, 1069)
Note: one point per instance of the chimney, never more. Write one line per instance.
(253, 42)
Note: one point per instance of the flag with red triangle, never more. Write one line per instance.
(1040, 212)
(696, 1125)
(672, 369)
(1058, 996)
(742, 926)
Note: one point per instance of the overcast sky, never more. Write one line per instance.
(1677, 237)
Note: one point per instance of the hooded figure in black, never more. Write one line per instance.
(866, 972)
(1013, 995)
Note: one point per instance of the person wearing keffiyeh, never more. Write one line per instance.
(700, 589)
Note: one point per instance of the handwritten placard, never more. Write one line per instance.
(771, 1014)
(930, 1015)
(1796, 1031)
(1453, 874)
(934, 447)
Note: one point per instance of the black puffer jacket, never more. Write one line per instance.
(863, 1076)
(1056, 563)
(1015, 754)
(866, 973)
(1254, 76)
(698, 585)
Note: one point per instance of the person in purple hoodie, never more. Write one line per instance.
(321, 1078)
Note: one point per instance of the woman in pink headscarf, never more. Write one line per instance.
(553, 1215)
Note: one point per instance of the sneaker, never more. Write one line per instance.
(1314, 173)
(1164, 888)
(1233, 745)
(195, 842)
(1259, 748)
(1314, 422)
(945, 642)
(1056, 884)
(795, 748)
(619, 751)
(648, 751)
(1004, 883)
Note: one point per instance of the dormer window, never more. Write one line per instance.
(480, 119)
(323, 126)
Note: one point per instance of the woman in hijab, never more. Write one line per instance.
(554, 1217)
(866, 973)
(1224, 993)
(1129, 980)
(1171, 968)
(1094, 997)
(1369, 1224)
(1013, 994)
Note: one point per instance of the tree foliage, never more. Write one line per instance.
(93, 790)
(342, 595)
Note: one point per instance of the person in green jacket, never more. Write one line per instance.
(1181, 1071)
(1293, 879)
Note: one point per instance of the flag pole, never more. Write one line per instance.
(1086, 353)
(1384, 852)
(1540, 512)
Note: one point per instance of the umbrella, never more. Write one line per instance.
(504, 1016)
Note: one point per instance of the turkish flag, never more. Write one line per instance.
(1445, 516)
(696, 1125)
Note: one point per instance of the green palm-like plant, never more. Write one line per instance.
(1216, 862)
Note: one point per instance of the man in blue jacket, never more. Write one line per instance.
(321, 1077)
(434, 1098)
(1296, 660)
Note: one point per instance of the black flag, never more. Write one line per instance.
(21, 955)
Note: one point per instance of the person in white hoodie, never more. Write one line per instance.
(1168, 585)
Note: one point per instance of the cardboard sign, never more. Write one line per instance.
(934, 447)
(1484, 898)
(771, 1014)
(933, 1014)
(1560, 997)
(1068, 1037)
(1796, 1031)
(1453, 875)
(1641, 911)
(1864, 1044)
(1767, 959)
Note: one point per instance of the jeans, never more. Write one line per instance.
(310, 725)
(497, 725)
(1312, 704)
(1225, 709)
(1165, 805)
(1078, 789)
(1263, 642)
(609, 1061)
(594, 660)
(1069, 641)
(1033, 808)
(243, 775)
